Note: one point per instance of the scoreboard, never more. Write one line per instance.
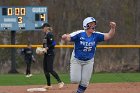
(24, 18)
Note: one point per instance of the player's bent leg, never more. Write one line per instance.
(75, 71)
(75, 82)
(86, 73)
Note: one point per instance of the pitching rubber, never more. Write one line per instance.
(36, 89)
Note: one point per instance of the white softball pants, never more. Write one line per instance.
(81, 71)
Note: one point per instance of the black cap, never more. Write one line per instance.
(45, 25)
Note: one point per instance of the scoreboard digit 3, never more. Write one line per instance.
(24, 18)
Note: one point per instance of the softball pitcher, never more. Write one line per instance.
(82, 58)
(48, 61)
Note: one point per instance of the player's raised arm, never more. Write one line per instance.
(111, 33)
(66, 37)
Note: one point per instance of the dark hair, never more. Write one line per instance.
(45, 25)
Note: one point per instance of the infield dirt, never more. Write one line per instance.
(70, 88)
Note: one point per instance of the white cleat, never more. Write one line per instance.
(61, 85)
(29, 75)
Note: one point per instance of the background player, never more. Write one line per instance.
(29, 58)
(82, 58)
(49, 45)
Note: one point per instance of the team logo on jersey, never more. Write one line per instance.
(84, 43)
(82, 38)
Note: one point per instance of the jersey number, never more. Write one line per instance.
(87, 49)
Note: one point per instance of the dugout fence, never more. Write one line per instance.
(71, 46)
(137, 47)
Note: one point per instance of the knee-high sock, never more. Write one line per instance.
(81, 89)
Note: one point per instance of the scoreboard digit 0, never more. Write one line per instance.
(24, 18)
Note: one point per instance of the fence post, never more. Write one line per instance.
(13, 54)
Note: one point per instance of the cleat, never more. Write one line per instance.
(27, 76)
(30, 75)
(61, 85)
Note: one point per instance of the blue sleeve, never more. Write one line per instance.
(50, 40)
(73, 38)
(53, 43)
(100, 37)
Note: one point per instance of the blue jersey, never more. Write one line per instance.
(84, 46)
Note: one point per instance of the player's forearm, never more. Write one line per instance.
(111, 33)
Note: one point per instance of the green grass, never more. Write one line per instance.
(39, 79)
(115, 77)
(36, 79)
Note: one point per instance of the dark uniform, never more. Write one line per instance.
(28, 56)
(49, 42)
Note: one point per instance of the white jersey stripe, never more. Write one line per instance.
(76, 32)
